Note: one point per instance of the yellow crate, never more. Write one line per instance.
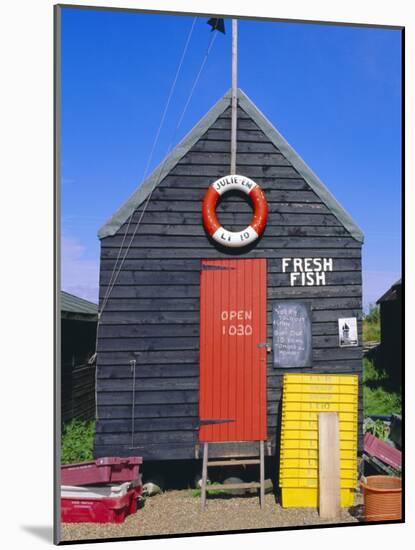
(312, 473)
(334, 389)
(313, 444)
(309, 482)
(320, 398)
(306, 416)
(347, 464)
(313, 425)
(302, 406)
(345, 454)
(308, 497)
(304, 397)
(342, 379)
(313, 434)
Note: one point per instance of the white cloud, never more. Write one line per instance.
(79, 275)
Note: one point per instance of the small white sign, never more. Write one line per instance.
(348, 332)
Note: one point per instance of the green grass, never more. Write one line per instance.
(379, 395)
(371, 325)
(371, 332)
(198, 492)
(378, 428)
(77, 441)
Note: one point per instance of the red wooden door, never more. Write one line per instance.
(232, 403)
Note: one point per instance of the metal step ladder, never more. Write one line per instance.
(233, 462)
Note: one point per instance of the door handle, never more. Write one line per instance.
(266, 345)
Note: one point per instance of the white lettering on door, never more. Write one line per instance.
(238, 328)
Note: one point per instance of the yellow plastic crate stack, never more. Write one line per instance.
(304, 397)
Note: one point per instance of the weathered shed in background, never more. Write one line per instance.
(78, 335)
(391, 336)
(151, 320)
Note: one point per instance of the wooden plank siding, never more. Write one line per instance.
(152, 315)
(77, 392)
(77, 376)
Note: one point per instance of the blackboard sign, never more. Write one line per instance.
(291, 334)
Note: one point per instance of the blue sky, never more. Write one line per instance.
(334, 92)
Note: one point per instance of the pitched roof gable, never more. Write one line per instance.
(142, 192)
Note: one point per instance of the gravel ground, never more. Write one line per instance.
(179, 512)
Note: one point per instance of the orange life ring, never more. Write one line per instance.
(221, 235)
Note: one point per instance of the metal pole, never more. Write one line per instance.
(261, 474)
(204, 476)
(234, 93)
(133, 363)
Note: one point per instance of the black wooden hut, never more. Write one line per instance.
(391, 336)
(152, 314)
(78, 337)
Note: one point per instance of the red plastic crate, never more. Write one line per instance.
(102, 470)
(380, 449)
(99, 509)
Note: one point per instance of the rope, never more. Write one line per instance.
(113, 278)
(169, 99)
(163, 117)
(161, 175)
(212, 40)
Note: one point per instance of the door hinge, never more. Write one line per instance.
(210, 267)
(208, 421)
